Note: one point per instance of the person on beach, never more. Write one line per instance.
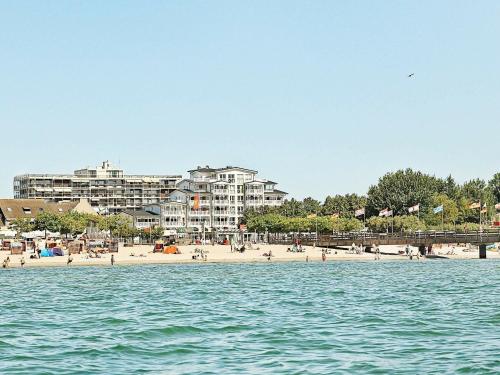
(112, 259)
(70, 260)
(323, 256)
(307, 258)
(4, 264)
(22, 262)
(377, 253)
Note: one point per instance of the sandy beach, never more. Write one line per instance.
(143, 254)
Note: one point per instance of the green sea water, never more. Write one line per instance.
(398, 317)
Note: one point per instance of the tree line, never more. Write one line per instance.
(464, 206)
(75, 223)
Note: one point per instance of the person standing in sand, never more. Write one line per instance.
(323, 256)
(22, 262)
(112, 259)
(70, 260)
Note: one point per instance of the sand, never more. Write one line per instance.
(143, 254)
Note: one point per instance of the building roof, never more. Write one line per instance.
(228, 168)
(12, 209)
(202, 169)
(276, 191)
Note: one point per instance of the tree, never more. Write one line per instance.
(475, 191)
(494, 186)
(118, 226)
(344, 205)
(449, 214)
(378, 224)
(402, 189)
(291, 208)
(157, 233)
(48, 221)
(22, 225)
(408, 224)
(450, 188)
(74, 223)
(311, 206)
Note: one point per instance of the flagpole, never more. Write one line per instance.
(442, 218)
(480, 209)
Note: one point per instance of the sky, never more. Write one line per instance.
(315, 95)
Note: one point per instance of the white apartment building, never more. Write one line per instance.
(106, 187)
(216, 199)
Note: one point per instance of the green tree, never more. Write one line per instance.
(378, 224)
(344, 205)
(48, 221)
(292, 208)
(118, 226)
(475, 191)
(22, 225)
(157, 233)
(408, 224)
(449, 214)
(494, 186)
(311, 206)
(403, 189)
(74, 223)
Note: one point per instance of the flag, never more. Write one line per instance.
(359, 212)
(196, 204)
(475, 205)
(312, 216)
(438, 209)
(414, 208)
(383, 212)
(497, 206)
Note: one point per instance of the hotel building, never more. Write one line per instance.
(106, 187)
(215, 199)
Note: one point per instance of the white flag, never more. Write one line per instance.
(359, 212)
(414, 208)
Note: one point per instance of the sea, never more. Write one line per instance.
(386, 317)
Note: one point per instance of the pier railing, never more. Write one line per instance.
(400, 238)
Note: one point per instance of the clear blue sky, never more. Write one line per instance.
(314, 95)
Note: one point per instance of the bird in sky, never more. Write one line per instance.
(411, 75)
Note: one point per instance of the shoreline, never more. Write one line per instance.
(219, 254)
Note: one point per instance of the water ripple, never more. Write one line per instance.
(433, 317)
